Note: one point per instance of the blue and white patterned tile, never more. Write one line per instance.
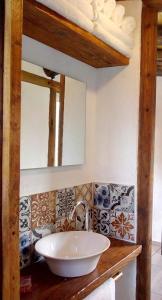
(122, 198)
(101, 196)
(25, 214)
(25, 249)
(65, 201)
(37, 234)
(101, 221)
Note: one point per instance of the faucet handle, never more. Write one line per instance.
(83, 202)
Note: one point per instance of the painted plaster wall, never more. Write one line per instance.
(112, 106)
(112, 101)
(117, 115)
(157, 190)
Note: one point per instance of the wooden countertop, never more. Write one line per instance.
(46, 286)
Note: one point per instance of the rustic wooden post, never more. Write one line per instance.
(11, 148)
(146, 149)
(1, 127)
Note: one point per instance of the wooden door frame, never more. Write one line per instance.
(1, 127)
(13, 12)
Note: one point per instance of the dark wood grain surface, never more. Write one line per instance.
(46, 26)
(1, 127)
(155, 4)
(11, 148)
(46, 286)
(146, 149)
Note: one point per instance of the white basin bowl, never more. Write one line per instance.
(73, 253)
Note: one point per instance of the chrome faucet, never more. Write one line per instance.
(86, 206)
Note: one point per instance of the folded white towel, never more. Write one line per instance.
(97, 6)
(112, 41)
(128, 25)
(109, 8)
(70, 12)
(100, 4)
(105, 291)
(114, 29)
(118, 14)
(84, 6)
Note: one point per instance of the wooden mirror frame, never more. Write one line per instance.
(11, 145)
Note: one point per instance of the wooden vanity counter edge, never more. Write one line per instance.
(47, 286)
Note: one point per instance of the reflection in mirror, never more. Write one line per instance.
(52, 118)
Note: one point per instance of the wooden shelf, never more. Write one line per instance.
(45, 285)
(47, 27)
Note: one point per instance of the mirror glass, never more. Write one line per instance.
(52, 118)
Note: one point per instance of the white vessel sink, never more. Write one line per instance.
(73, 253)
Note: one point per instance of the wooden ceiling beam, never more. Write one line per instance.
(155, 4)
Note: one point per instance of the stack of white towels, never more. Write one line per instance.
(103, 18)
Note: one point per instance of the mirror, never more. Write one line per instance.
(52, 118)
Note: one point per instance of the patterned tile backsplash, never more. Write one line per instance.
(114, 210)
(112, 213)
(65, 201)
(42, 209)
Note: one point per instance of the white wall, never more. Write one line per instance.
(41, 180)
(117, 115)
(111, 118)
(157, 188)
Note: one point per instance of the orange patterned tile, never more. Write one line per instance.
(42, 209)
(84, 191)
(65, 225)
(122, 224)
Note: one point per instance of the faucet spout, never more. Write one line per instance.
(86, 206)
